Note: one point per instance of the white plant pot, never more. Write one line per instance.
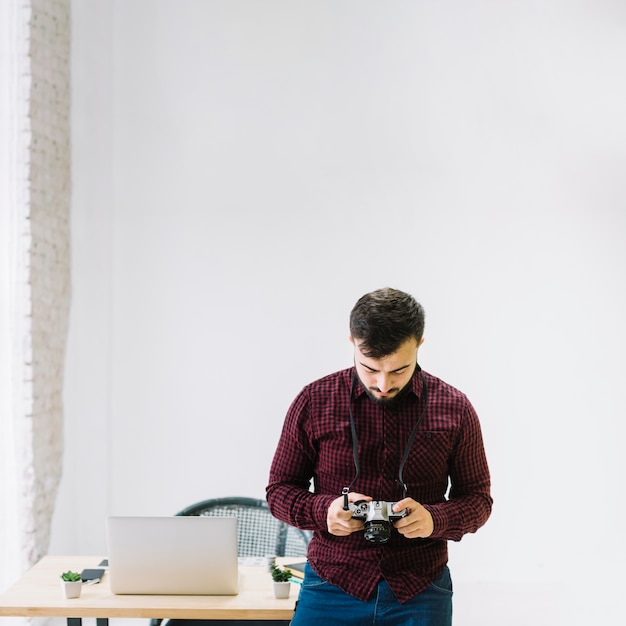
(72, 589)
(281, 590)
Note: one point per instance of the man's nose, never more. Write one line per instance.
(383, 383)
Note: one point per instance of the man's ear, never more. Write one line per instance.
(351, 339)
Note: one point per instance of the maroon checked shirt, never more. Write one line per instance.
(446, 472)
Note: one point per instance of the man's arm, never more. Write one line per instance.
(288, 493)
(292, 469)
(470, 502)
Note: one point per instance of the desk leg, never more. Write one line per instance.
(78, 621)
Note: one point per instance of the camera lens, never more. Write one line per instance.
(377, 532)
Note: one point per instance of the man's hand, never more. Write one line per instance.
(340, 522)
(418, 523)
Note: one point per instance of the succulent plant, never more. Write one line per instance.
(280, 575)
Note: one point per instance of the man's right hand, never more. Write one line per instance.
(340, 522)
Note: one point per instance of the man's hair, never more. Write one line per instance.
(381, 321)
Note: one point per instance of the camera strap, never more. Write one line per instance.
(409, 444)
(407, 449)
(355, 449)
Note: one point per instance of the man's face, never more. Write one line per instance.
(385, 378)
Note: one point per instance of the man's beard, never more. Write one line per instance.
(388, 402)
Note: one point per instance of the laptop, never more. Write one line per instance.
(173, 555)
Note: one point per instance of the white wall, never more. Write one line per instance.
(244, 171)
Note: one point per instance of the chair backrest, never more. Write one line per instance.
(259, 532)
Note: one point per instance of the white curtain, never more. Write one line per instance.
(34, 272)
(14, 282)
(12, 395)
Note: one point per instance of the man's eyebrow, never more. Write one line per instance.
(366, 366)
(373, 369)
(402, 367)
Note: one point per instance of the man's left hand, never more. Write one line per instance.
(418, 523)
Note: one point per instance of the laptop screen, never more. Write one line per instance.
(173, 555)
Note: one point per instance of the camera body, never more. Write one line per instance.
(378, 516)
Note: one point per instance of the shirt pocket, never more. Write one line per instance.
(429, 458)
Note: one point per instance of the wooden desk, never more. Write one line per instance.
(39, 593)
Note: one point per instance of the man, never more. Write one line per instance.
(383, 431)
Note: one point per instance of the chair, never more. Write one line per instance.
(259, 534)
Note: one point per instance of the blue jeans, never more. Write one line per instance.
(322, 603)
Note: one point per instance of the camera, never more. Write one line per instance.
(378, 516)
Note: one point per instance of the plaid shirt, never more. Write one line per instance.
(316, 443)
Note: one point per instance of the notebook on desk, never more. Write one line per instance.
(173, 555)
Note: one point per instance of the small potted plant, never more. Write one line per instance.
(72, 584)
(282, 584)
